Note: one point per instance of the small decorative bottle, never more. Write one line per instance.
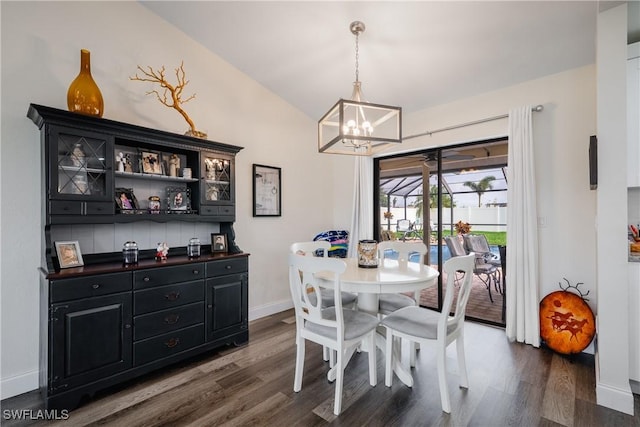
(84, 95)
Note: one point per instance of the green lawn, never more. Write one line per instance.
(493, 237)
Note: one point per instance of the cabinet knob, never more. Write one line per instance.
(172, 342)
(228, 266)
(196, 271)
(210, 306)
(95, 285)
(172, 319)
(172, 296)
(127, 326)
(146, 279)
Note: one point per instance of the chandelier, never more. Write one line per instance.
(357, 127)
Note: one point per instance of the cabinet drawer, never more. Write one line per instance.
(74, 207)
(168, 344)
(227, 266)
(66, 207)
(169, 296)
(161, 322)
(98, 208)
(165, 275)
(91, 286)
(217, 210)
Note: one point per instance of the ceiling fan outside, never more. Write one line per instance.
(432, 160)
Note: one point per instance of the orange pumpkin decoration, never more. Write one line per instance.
(567, 323)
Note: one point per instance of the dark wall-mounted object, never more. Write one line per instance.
(593, 162)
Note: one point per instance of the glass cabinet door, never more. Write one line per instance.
(217, 172)
(82, 165)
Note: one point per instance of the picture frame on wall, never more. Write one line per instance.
(219, 243)
(69, 254)
(151, 162)
(267, 195)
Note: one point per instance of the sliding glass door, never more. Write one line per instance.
(430, 195)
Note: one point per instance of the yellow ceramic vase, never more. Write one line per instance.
(84, 95)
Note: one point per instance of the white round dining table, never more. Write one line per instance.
(391, 276)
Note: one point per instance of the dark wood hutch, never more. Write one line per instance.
(104, 323)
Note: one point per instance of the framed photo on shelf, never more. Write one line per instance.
(126, 200)
(151, 162)
(178, 200)
(218, 242)
(267, 196)
(69, 254)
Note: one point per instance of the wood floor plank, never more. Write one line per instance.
(559, 397)
(509, 385)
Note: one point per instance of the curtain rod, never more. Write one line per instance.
(537, 108)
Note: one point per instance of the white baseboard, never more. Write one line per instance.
(614, 398)
(269, 309)
(635, 386)
(18, 384)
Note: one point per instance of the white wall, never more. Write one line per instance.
(41, 44)
(612, 368)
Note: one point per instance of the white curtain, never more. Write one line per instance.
(362, 211)
(522, 289)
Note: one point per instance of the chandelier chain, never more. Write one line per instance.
(357, 57)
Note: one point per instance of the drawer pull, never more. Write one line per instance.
(146, 279)
(228, 266)
(172, 319)
(196, 271)
(172, 342)
(95, 285)
(172, 296)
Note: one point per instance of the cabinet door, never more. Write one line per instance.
(80, 165)
(227, 306)
(217, 188)
(90, 339)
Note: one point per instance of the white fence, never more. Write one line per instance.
(480, 219)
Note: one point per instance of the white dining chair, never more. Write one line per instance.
(388, 303)
(339, 329)
(349, 300)
(425, 326)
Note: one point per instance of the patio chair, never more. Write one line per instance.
(485, 272)
(478, 243)
(339, 329)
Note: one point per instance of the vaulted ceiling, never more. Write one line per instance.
(413, 54)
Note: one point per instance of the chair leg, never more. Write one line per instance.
(325, 353)
(462, 363)
(388, 362)
(332, 358)
(337, 406)
(297, 381)
(412, 354)
(373, 368)
(442, 378)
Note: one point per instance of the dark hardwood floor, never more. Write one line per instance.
(510, 385)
